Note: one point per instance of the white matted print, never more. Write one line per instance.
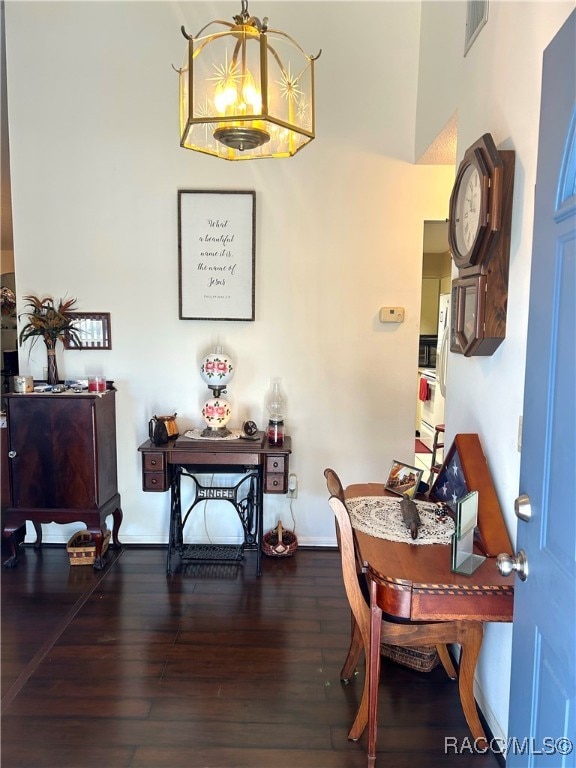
(216, 247)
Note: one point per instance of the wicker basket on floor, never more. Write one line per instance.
(279, 542)
(81, 548)
(422, 658)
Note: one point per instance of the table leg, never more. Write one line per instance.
(473, 632)
(175, 525)
(9, 539)
(373, 665)
(259, 520)
(38, 529)
(250, 510)
(446, 661)
(97, 535)
(117, 517)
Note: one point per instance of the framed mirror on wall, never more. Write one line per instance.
(9, 316)
(9, 332)
(93, 329)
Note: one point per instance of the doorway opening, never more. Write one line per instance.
(434, 318)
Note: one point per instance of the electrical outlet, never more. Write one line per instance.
(292, 486)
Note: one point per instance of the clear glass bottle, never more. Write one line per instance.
(276, 406)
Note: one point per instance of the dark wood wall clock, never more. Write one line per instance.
(479, 238)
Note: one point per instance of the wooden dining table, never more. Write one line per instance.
(415, 583)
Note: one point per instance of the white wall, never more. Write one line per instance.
(96, 166)
(495, 89)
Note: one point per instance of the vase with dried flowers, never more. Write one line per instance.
(52, 322)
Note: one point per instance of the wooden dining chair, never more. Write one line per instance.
(334, 484)
(357, 643)
(360, 629)
(404, 634)
(335, 488)
(358, 595)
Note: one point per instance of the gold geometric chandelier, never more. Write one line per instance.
(246, 91)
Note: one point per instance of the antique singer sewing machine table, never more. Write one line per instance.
(264, 469)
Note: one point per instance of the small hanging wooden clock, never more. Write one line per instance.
(479, 238)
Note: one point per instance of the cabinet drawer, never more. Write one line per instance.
(155, 481)
(275, 464)
(154, 472)
(275, 484)
(154, 462)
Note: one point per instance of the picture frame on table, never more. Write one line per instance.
(216, 254)
(464, 558)
(403, 479)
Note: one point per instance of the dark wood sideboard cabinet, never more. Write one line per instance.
(62, 464)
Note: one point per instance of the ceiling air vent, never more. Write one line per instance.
(476, 17)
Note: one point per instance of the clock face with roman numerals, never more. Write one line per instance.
(474, 220)
(468, 206)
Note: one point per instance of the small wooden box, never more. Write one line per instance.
(81, 548)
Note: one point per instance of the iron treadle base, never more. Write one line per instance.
(212, 553)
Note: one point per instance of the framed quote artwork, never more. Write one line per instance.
(216, 255)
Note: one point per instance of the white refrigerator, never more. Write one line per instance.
(432, 409)
(443, 344)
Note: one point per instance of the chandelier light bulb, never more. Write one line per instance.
(251, 95)
(225, 97)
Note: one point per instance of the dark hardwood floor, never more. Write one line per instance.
(211, 668)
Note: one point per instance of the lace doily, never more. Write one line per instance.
(196, 434)
(381, 516)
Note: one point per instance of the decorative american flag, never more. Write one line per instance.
(450, 485)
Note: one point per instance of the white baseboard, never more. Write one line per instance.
(147, 541)
(495, 728)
